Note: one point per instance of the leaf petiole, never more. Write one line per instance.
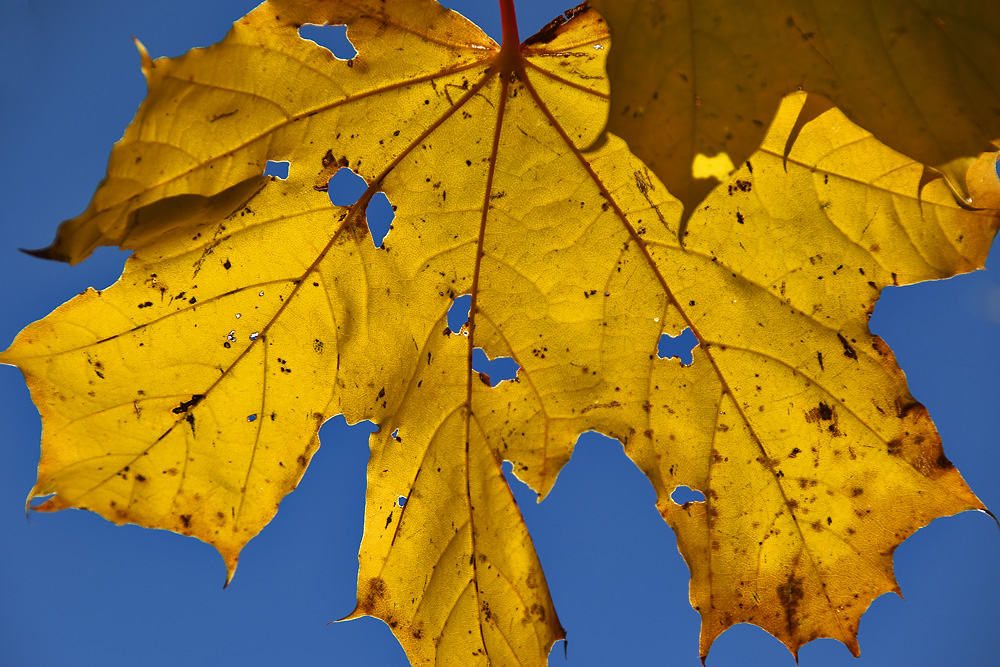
(509, 22)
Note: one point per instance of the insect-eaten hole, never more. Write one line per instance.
(685, 494)
(346, 187)
(331, 37)
(458, 314)
(401, 501)
(276, 169)
(498, 370)
(380, 216)
(680, 346)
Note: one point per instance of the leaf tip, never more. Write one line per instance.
(145, 61)
(48, 252)
(231, 562)
(984, 510)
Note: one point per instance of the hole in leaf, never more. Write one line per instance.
(685, 494)
(365, 426)
(499, 369)
(680, 346)
(458, 314)
(331, 37)
(401, 501)
(380, 216)
(251, 418)
(345, 187)
(279, 169)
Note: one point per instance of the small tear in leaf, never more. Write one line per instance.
(345, 187)
(685, 494)
(331, 37)
(680, 346)
(401, 501)
(499, 369)
(254, 335)
(380, 216)
(251, 418)
(278, 169)
(458, 314)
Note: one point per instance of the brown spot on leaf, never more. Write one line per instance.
(903, 409)
(187, 405)
(790, 595)
(740, 186)
(848, 350)
(824, 413)
(371, 595)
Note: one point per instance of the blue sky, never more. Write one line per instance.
(77, 590)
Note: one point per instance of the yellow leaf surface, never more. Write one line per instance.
(188, 395)
(702, 78)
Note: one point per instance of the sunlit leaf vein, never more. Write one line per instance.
(434, 572)
(115, 407)
(451, 612)
(473, 311)
(420, 466)
(567, 82)
(264, 134)
(258, 427)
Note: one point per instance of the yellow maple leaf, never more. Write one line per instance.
(188, 395)
(704, 78)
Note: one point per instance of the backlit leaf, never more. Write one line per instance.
(188, 395)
